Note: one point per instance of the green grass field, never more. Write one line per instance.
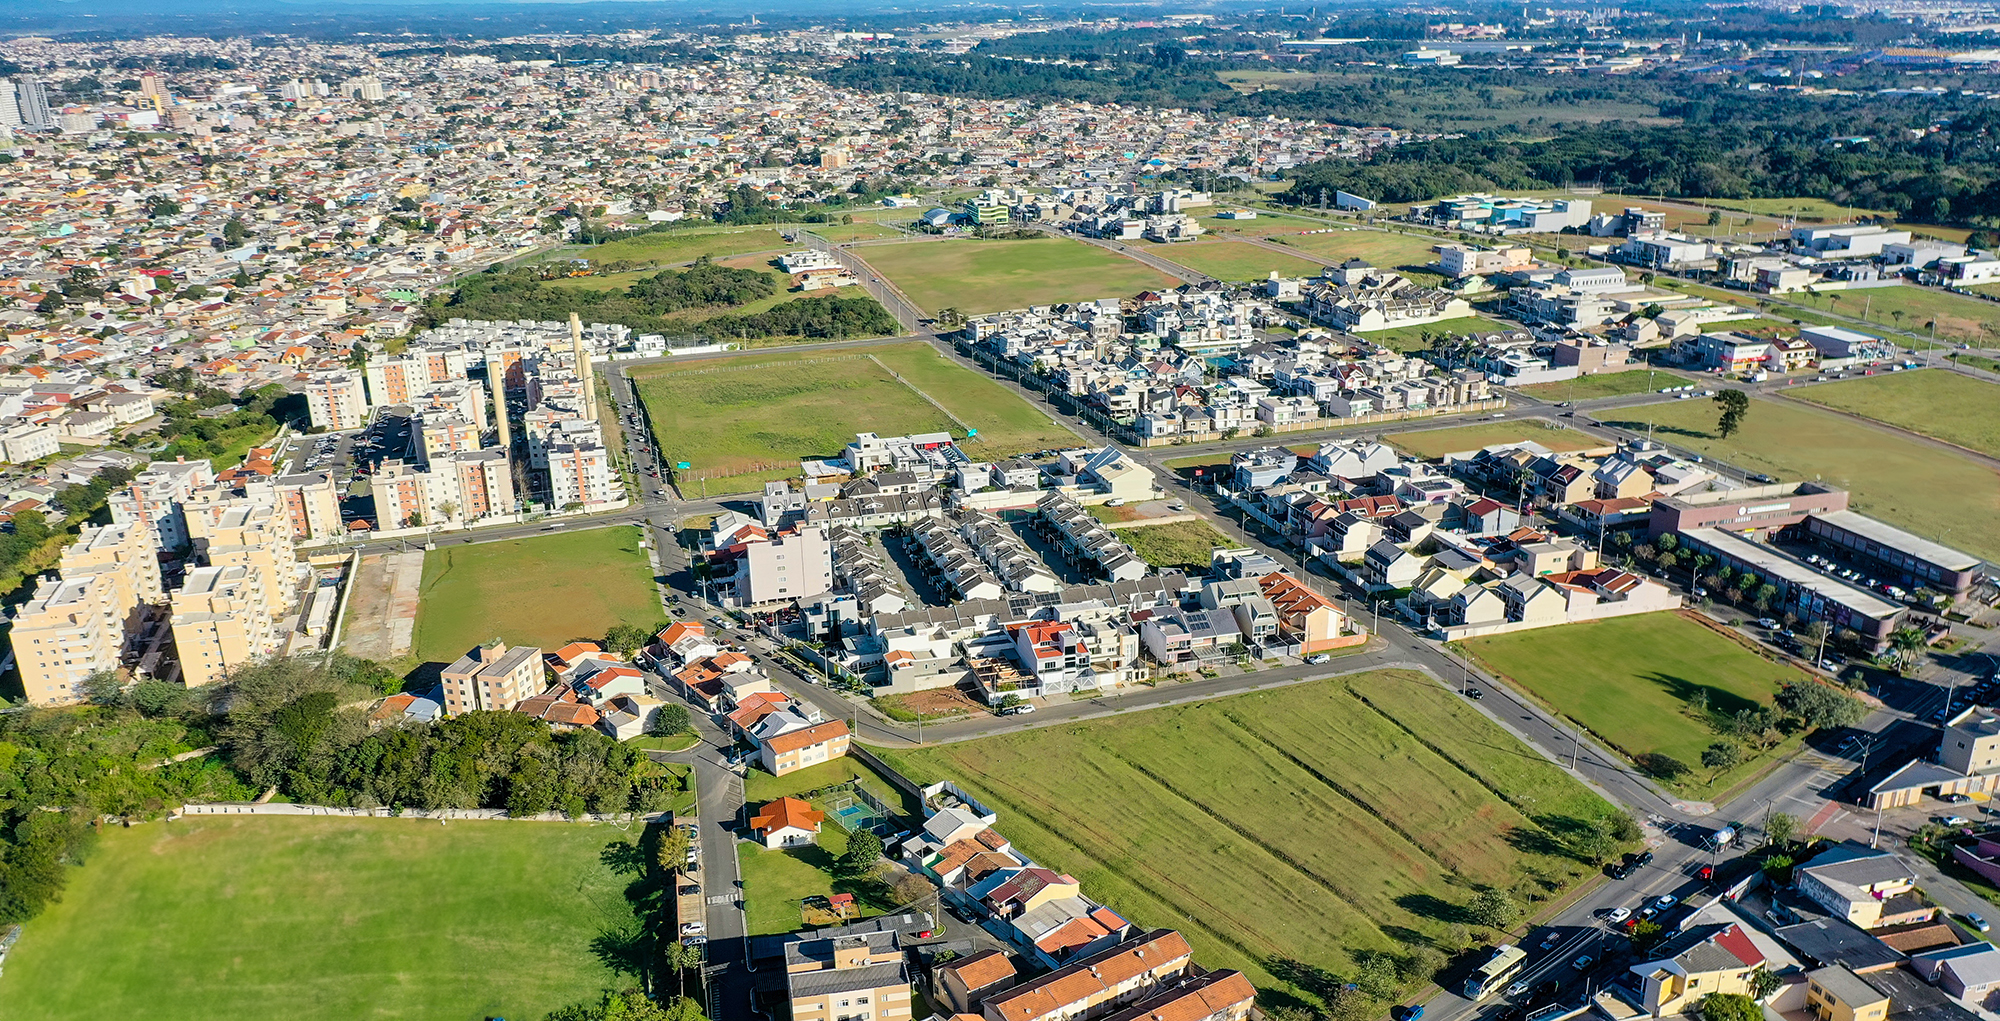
(744, 421)
(1439, 442)
(1377, 247)
(1411, 338)
(1921, 488)
(1957, 316)
(1948, 406)
(760, 787)
(241, 917)
(1236, 260)
(1604, 384)
(1316, 823)
(1629, 682)
(543, 591)
(989, 276)
(681, 246)
(775, 882)
(1182, 544)
(860, 230)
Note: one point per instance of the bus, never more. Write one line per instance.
(1498, 970)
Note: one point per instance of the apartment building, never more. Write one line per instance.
(309, 503)
(492, 677)
(28, 442)
(402, 379)
(337, 401)
(68, 630)
(253, 535)
(851, 977)
(485, 482)
(220, 621)
(442, 435)
(582, 476)
(752, 566)
(807, 746)
(128, 559)
(156, 498)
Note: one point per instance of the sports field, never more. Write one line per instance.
(1237, 260)
(1604, 384)
(681, 246)
(1949, 406)
(1925, 489)
(301, 918)
(1439, 442)
(989, 276)
(741, 422)
(1630, 681)
(543, 591)
(1315, 823)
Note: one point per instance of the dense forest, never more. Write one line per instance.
(652, 304)
(289, 724)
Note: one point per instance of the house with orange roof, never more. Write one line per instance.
(1305, 618)
(1225, 995)
(560, 710)
(794, 750)
(965, 982)
(787, 822)
(1097, 984)
(687, 641)
(752, 711)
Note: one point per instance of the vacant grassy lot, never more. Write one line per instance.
(857, 231)
(1604, 384)
(241, 917)
(1439, 442)
(1947, 405)
(1182, 544)
(1237, 260)
(760, 787)
(1892, 477)
(989, 276)
(744, 421)
(1377, 247)
(1314, 823)
(681, 246)
(1411, 338)
(1957, 316)
(1636, 682)
(543, 591)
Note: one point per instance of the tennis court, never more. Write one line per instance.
(854, 815)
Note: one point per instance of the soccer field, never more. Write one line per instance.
(1632, 682)
(1317, 823)
(544, 591)
(1905, 482)
(989, 276)
(297, 918)
(741, 422)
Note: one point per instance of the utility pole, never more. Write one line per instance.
(1576, 744)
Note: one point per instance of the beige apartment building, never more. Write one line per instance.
(310, 503)
(337, 401)
(253, 535)
(221, 621)
(492, 677)
(67, 631)
(859, 977)
(127, 558)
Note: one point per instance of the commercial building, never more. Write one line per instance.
(1749, 509)
(1892, 554)
(492, 677)
(1802, 591)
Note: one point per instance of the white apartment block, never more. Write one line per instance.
(220, 622)
(459, 487)
(310, 503)
(27, 441)
(69, 630)
(581, 475)
(786, 566)
(403, 378)
(127, 558)
(337, 401)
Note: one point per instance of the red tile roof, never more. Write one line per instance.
(787, 813)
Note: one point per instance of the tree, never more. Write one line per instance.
(679, 957)
(1763, 983)
(1625, 828)
(1780, 828)
(1646, 934)
(234, 231)
(1715, 217)
(102, 687)
(1908, 642)
(1779, 868)
(1818, 707)
(625, 639)
(630, 1005)
(670, 719)
(864, 849)
(1721, 756)
(672, 854)
(1734, 404)
(1494, 909)
(1729, 1007)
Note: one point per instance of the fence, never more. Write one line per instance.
(441, 814)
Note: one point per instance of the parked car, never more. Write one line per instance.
(1583, 962)
(1954, 820)
(1018, 710)
(1981, 924)
(1619, 914)
(1666, 901)
(1475, 694)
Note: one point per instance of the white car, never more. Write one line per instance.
(1517, 989)
(1618, 915)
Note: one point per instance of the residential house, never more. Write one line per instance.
(964, 983)
(1866, 886)
(850, 977)
(787, 822)
(1098, 984)
(1714, 958)
(809, 746)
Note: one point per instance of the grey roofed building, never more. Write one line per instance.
(841, 980)
(1913, 999)
(1829, 941)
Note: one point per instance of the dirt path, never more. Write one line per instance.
(383, 619)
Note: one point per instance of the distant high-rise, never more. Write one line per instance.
(31, 98)
(10, 107)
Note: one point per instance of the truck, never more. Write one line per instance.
(1724, 836)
